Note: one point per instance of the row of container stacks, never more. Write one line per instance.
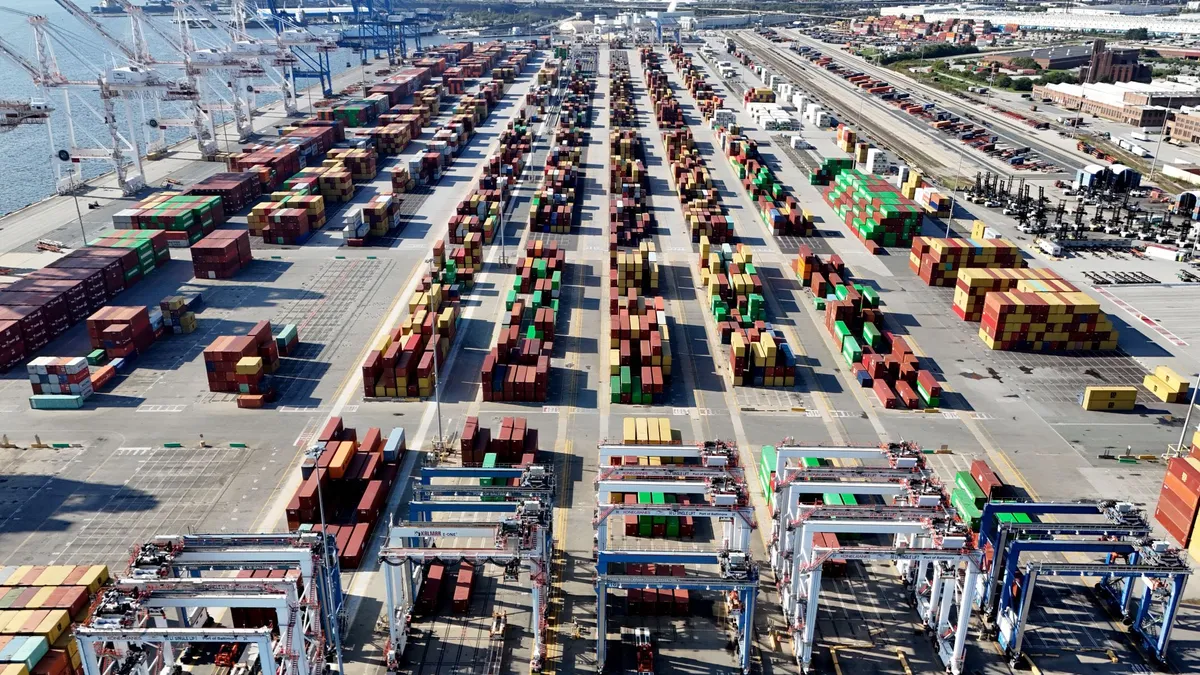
(654, 601)
(913, 186)
(622, 113)
(640, 353)
(518, 367)
(878, 359)
(700, 201)
(39, 605)
(221, 254)
(667, 113)
(186, 218)
(480, 212)
(937, 261)
(759, 354)
(639, 341)
(779, 209)
(1179, 499)
(515, 444)
(829, 169)
(553, 206)
(874, 210)
(401, 362)
(59, 383)
(350, 481)
(242, 365)
(45, 303)
(1018, 308)
(694, 81)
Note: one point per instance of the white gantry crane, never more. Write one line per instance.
(114, 84)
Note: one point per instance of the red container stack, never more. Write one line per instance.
(355, 483)
(518, 367)
(1179, 499)
(221, 254)
(120, 331)
(512, 444)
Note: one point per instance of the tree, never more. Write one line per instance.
(1004, 82)
(1024, 62)
(1022, 84)
(1137, 34)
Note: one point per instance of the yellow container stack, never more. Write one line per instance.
(1167, 385)
(1108, 398)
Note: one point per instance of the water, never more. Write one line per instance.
(26, 171)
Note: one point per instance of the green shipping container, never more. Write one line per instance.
(967, 484)
(644, 522)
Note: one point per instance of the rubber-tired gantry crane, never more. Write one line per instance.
(164, 599)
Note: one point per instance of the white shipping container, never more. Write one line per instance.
(1163, 252)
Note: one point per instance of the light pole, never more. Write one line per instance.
(1186, 420)
(437, 380)
(1162, 131)
(79, 215)
(954, 188)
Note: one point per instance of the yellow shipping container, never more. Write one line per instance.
(664, 429)
(1160, 389)
(1109, 398)
(630, 433)
(642, 431)
(1172, 379)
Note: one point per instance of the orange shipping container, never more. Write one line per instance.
(341, 459)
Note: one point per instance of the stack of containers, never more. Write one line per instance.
(779, 210)
(39, 603)
(968, 499)
(272, 164)
(12, 347)
(553, 204)
(874, 210)
(974, 283)
(514, 444)
(1018, 320)
(1108, 399)
(759, 95)
(759, 355)
(123, 332)
(636, 270)
(1179, 500)
(59, 383)
(829, 169)
(846, 140)
(639, 349)
(356, 477)
(877, 358)
(1167, 385)
(184, 218)
(240, 365)
(382, 214)
(401, 180)
(937, 261)
(287, 339)
(911, 182)
(401, 363)
(621, 110)
(178, 316)
(518, 367)
(934, 202)
(652, 431)
(361, 162)
(700, 201)
(236, 190)
(221, 254)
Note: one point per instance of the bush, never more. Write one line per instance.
(1022, 84)
(930, 52)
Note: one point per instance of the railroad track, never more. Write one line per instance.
(906, 151)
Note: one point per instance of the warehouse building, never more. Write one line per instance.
(1184, 125)
(1134, 103)
(1097, 62)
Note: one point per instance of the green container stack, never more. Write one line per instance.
(967, 484)
(766, 471)
(489, 462)
(874, 209)
(645, 524)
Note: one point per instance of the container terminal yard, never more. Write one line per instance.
(338, 399)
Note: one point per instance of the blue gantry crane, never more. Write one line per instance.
(312, 53)
(384, 27)
(1129, 556)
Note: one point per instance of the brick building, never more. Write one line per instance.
(1133, 103)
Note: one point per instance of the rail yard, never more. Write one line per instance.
(566, 355)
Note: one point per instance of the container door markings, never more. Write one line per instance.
(981, 416)
(550, 409)
(949, 414)
(843, 413)
(812, 413)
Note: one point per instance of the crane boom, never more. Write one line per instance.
(86, 19)
(25, 64)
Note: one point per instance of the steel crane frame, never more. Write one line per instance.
(723, 486)
(1161, 569)
(524, 539)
